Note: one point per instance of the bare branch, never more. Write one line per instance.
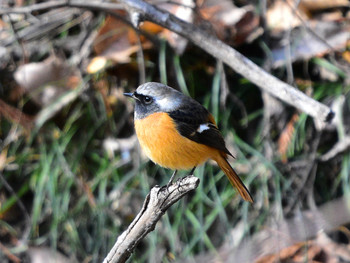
(234, 59)
(340, 147)
(156, 203)
(145, 11)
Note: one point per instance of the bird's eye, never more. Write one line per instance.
(147, 100)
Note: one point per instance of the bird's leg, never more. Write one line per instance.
(174, 174)
(192, 171)
(171, 178)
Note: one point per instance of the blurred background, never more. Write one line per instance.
(73, 177)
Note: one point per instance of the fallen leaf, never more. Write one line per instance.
(232, 24)
(16, 116)
(346, 56)
(281, 16)
(305, 45)
(286, 137)
(283, 254)
(182, 9)
(46, 255)
(115, 43)
(96, 65)
(318, 5)
(45, 81)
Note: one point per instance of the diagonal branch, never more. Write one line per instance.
(156, 203)
(140, 10)
(212, 45)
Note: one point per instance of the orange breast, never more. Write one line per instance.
(162, 143)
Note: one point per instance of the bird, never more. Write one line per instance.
(177, 132)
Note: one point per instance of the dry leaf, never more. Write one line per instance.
(281, 16)
(111, 31)
(182, 9)
(338, 252)
(231, 24)
(115, 42)
(45, 81)
(151, 28)
(305, 45)
(318, 5)
(346, 56)
(96, 65)
(284, 254)
(16, 116)
(46, 255)
(286, 137)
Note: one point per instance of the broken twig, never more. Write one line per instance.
(156, 203)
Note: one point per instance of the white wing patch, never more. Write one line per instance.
(203, 127)
(167, 104)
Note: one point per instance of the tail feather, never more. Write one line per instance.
(233, 178)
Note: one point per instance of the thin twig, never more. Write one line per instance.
(156, 203)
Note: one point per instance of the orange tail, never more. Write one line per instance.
(233, 177)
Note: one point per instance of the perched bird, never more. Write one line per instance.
(177, 132)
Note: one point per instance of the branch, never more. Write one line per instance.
(212, 45)
(156, 203)
(341, 146)
(140, 10)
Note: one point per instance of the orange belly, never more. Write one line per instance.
(162, 143)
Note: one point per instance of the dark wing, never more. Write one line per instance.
(189, 119)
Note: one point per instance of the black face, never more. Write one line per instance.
(145, 100)
(145, 105)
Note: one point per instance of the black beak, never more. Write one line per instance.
(131, 94)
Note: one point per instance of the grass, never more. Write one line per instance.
(80, 200)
